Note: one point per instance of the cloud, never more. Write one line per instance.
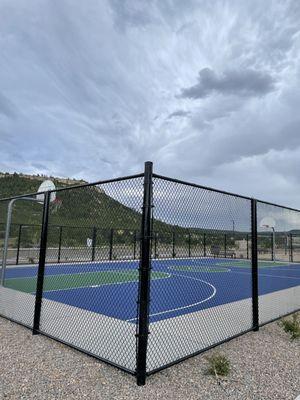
(247, 83)
(6, 107)
(90, 90)
(179, 113)
(128, 14)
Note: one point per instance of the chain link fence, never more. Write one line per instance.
(279, 276)
(145, 271)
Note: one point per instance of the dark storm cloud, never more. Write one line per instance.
(232, 82)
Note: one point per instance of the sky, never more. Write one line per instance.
(207, 90)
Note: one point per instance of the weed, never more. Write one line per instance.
(292, 326)
(219, 365)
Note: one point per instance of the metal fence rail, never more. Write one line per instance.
(145, 271)
(99, 243)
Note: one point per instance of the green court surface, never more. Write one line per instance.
(247, 264)
(200, 268)
(78, 280)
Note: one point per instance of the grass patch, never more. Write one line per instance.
(218, 365)
(292, 326)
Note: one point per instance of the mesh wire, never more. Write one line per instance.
(278, 260)
(92, 291)
(16, 304)
(201, 276)
(205, 296)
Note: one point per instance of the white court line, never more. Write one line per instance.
(95, 286)
(74, 273)
(72, 263)
(130, 260)
(105, 284)
(284, 269)
(188, 306)
(224, 269)
(81, 262)
(271, 276)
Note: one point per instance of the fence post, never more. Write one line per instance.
(94, 240)
(285, 243)
(225, 245)
(189, 244)
(291, 248)
(111, 243)
(204, 244)
(272, 250)
(173, 245)
(247, 246)
(41, 267)
(144, 278)
(19, 243)
(254, 264)
(134, 245)
(155, 245)
(59, 244)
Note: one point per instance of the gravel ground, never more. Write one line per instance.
(265, 365)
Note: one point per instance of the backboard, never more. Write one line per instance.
(45, 187)
(267, 222)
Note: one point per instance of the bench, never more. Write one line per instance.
(217, 252)
(263, 250)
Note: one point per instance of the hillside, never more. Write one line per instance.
(79, 211)
(17, 184)
(89, 206)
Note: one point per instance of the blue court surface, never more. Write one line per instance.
(178, 286)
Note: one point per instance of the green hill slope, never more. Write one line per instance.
(82, 210)
(77, 210)
(82, 207)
